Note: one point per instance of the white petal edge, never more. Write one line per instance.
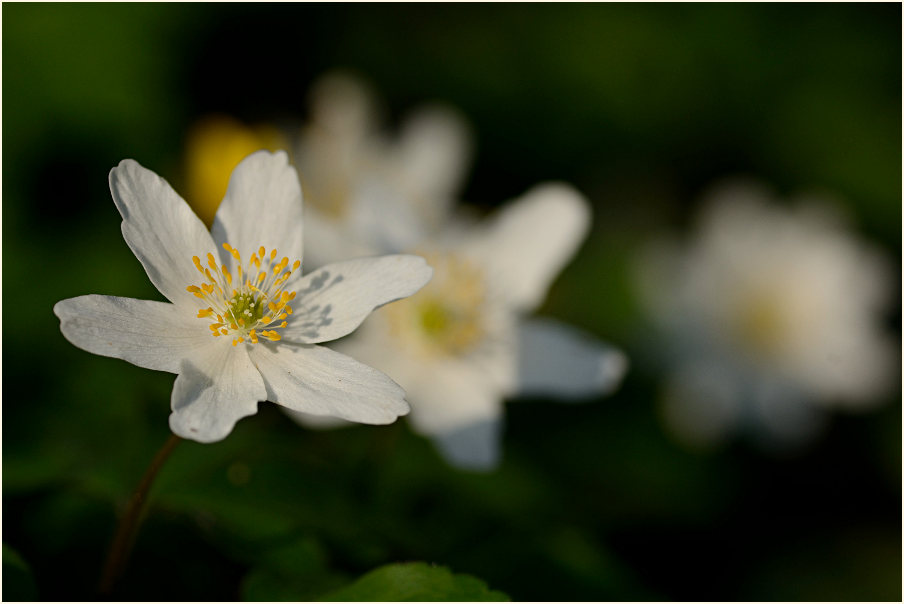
(434, 151)
(474, 447)
(319, 381)
(215, 389)
(153, 335)
(558, 360)
(528, 242)
(333, 300)
(449, 395)
(262, 207)
(160, 229)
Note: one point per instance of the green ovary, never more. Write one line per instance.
(246, 307)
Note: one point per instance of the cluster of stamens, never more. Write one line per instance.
(252, 307)
(447, 315)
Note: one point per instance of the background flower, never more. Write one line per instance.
(768, 310)
(641, 107)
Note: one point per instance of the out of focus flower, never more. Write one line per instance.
(238, 332)
(771, 313)
(463, 344)
(215, 146)
(369, 193)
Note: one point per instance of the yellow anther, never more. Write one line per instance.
(284, 323)
(272, 254)
(266, 319)
(211, 262)
(237, 340)
(261, 251)
(241, 321)
(228, 247)
(261, 277)
(224, 332)
(296, 264)
(281, 317)
(288, 309)
(197, 262)
(292, 296)
(193, 289)
(272, 307)
(205, 312)
(233, 326)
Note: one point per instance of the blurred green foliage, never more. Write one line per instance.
(640, 106)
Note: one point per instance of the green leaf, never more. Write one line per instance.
(296, 571)
(18, 582)
(413, 582)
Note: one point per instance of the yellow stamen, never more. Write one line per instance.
(241, 304)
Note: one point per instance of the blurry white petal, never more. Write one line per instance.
(160, 228)
(472, 447)
(449, 395)
(154, 335)
(262, 207)
(558, 360)
(343, 104)
(701, 405)
(526, 245)
(213, 391)
(787, 417)
(333, 300)
(433, 154)
(317, 380)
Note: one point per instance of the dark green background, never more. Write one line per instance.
(641, 106)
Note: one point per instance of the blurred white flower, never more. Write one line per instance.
(463, 344)
(237, 334)
(772, 313)
(368, 193)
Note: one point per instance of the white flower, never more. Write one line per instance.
(773, 312)
(242, 323)
(365, 192)
(463, 344)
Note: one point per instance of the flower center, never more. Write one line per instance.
(255, 305)
(447, 315)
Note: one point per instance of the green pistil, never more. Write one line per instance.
(246, 307)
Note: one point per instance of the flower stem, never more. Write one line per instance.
(131, 520)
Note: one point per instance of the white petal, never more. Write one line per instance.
(214, 390)
(262, 207)
(448, 395)
(472, 447)
(434, 150)
(333, 300)
(316, 422)
(701, 406)
(526, 245)
(317, 380)
(160, 228)
(154, 335)
(555, 359)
